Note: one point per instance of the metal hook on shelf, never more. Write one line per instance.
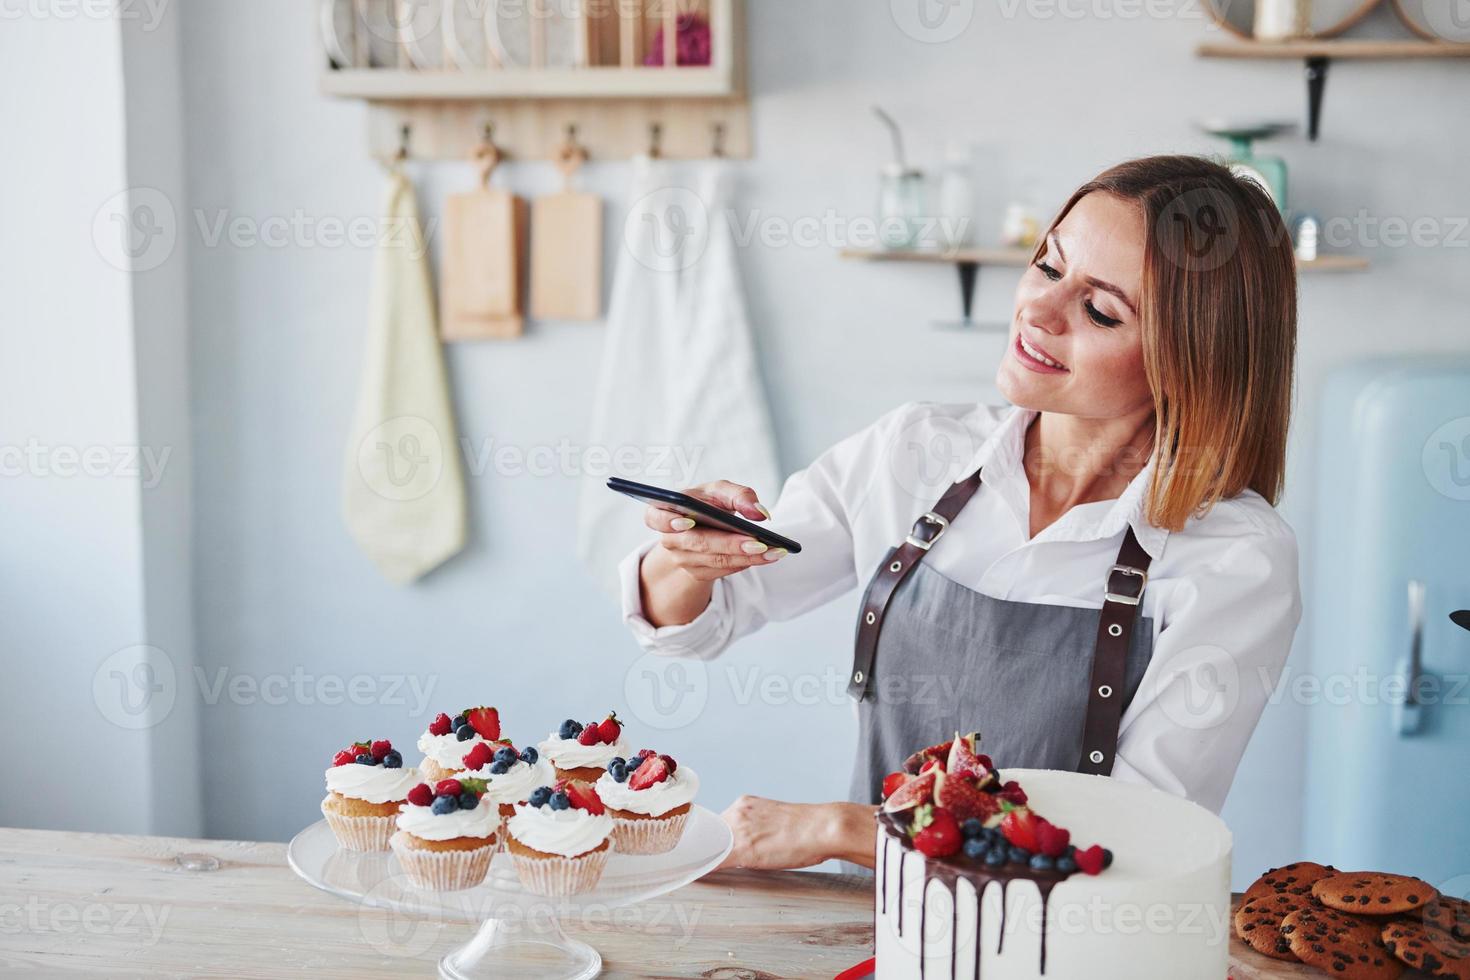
(655, 140)
(486, 154)
(405, 136)
(717, 150)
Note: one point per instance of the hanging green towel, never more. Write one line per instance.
(403, 488)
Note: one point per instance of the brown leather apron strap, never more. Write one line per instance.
(896, 566)
(1121, 598)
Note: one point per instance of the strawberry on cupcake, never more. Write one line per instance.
(446, 835)
(365, 787)
(582, 752)
(648, 797)
(560, 838)
(447, 740)
(509, 774)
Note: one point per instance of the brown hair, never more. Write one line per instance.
(1218, 312)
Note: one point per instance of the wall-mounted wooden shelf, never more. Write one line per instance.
(620, 88)
(969, 260)
(1318, 55)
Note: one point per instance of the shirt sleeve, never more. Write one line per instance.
(817, 507)
(1215, 661)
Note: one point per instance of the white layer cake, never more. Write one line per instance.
(1162, 910)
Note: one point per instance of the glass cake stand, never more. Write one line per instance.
(520, 933)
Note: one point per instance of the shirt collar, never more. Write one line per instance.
(1001, 456)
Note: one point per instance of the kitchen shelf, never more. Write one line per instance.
(600, 82)
(969, 260)
(1318, 55)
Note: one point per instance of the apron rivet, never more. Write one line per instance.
(1114, 629)
(1105, 691)
(858, 677)
(1096, 756)
(896, 567)
(870, 619)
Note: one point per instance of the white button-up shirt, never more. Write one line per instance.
(1222, 593)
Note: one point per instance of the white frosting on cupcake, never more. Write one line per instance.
(566, 832)
(568, 753)
(659, 798)
(516, 783)
(447, 750)
(372, 784)
(423, 822)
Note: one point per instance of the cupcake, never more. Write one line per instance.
(582, 752)
(365, 787)
(648, 797)
(447, 740)
(559, 839)
(447, 835)
(509, 775)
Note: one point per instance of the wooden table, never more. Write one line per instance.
(119, 906)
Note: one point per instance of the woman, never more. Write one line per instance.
(1099, 581)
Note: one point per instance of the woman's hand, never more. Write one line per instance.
(677, 576)
(770, 834)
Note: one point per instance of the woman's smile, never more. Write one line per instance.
(1036, 358)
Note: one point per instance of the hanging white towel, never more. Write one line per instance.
(403, 489)
(679, 397)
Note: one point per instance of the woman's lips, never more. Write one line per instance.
(1023, 351)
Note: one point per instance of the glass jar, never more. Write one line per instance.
(900, 206)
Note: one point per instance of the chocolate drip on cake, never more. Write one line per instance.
(948, 872)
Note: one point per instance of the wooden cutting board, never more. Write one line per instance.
(566, 257)
(484, 236)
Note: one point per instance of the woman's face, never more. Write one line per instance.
(1076, 345)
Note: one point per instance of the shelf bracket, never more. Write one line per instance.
(1316, 83)
(969, 274)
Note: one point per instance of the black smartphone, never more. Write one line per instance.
(701, 512)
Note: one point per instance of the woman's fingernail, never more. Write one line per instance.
(762, 508)
(776, 554)
(753, 547)
(681, 524)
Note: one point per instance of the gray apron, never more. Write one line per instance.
(1044, 685)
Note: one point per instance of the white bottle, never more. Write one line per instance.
(956, 227)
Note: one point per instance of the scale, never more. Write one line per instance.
(520, 933)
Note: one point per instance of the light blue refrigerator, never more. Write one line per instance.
(1388, 764)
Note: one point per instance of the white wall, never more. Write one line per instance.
(275, 333)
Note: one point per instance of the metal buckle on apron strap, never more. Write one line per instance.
(1132, 600)
(929, 519)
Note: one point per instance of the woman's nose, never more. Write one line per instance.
(1045, 311)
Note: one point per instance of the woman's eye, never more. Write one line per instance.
(1099, 317)
(1047, 270)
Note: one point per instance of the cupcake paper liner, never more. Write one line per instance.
(445, 871)
(555, 877)
(360, 833)
(656, 835)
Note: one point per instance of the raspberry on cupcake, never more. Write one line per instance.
(446, 836)
(509, 774)
(447, 740)
(559, 839)
(648, 797)
(365, 787)
(582, 752)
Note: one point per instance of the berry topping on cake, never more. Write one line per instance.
(652, 770)
(1051, 840)
(448, 787)
(916, 762)
(963, 760)
(570, 729)
(618, 769)
(669, 761)
(478, 757)
(892, 782)
(583, 796)
(529, 755)
(935, 831)
(1019, 827)
(380, 748)
(1012, 793)
(609, 729)
(1089, 860)
(448, 795)
(379, 753)
(962, 796)
(345, 758)
(917, 790)
(484, 721)
(590, 735)
(440, 725)
(421, 795)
